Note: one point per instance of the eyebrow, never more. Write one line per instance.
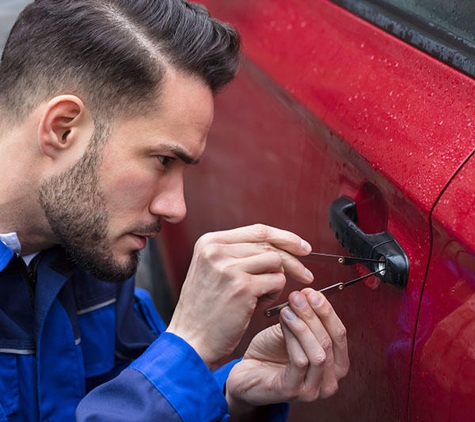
(185, 157)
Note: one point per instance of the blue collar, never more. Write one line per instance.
(6, 254)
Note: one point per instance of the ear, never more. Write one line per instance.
(65, 126)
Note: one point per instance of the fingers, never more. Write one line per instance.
(293, 267)
(329, 323)
(316, 342)
(260, 233)
(253, 242)
(259, 259)
(230, 275)
(304, 373)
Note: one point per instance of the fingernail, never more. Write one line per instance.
(308, 274)
(288, 314)
(315, 298)
(305, 245)
(299, 300)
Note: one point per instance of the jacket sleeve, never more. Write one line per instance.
(273, 413)
(168, 382)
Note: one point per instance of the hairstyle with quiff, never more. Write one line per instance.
(111, 53)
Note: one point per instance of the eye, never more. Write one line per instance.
(165, 161)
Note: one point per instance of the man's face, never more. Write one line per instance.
(104, 208)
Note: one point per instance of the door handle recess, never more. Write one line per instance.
(381, 246)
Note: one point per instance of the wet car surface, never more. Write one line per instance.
(346, 99)
(349, 99)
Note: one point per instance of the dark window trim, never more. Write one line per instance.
(426, 36)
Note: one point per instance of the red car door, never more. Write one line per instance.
(328, 105)
(443, 379)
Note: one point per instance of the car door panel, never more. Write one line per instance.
(326, 105)
(294, 190)
(443, 387)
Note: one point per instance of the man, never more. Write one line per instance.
(103, 105)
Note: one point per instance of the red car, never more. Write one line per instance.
(352, 123)
(360, 113)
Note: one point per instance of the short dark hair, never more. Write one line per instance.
(112, 53)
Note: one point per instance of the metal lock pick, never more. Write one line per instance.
(337, 287)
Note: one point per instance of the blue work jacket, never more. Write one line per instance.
(72, 346)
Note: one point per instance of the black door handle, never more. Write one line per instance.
(381, 246)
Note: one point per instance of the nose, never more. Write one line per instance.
(169, 202)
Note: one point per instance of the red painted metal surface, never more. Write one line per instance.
(396, 106)
(443, 387)
(327, 105)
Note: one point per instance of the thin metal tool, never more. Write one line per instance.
(338, 287)
(343, 260)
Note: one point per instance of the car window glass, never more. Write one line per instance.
(455, 16)
(442, 28)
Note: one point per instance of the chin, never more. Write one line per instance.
(115, 268)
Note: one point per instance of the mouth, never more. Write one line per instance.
(139, 240)
(146, 235)
(141, 236)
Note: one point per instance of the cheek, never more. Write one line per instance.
(131, 190)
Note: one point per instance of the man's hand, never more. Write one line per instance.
(300, 359)
(231, 273)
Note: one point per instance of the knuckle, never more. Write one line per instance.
(341, 335)
(290, 394)
(209, 251)
(342, 372)
(327, 344)
(329, 389)
(273, 258)
(204, 242)
(267, 247)
(309, 391)
(319, 359)
(310, 395)
(261, 231)
(272, 291)
(301, 362)
(279, 281)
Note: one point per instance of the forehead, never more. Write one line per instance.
(183, 95)
(180, 120)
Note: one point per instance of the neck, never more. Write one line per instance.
(20, 178)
